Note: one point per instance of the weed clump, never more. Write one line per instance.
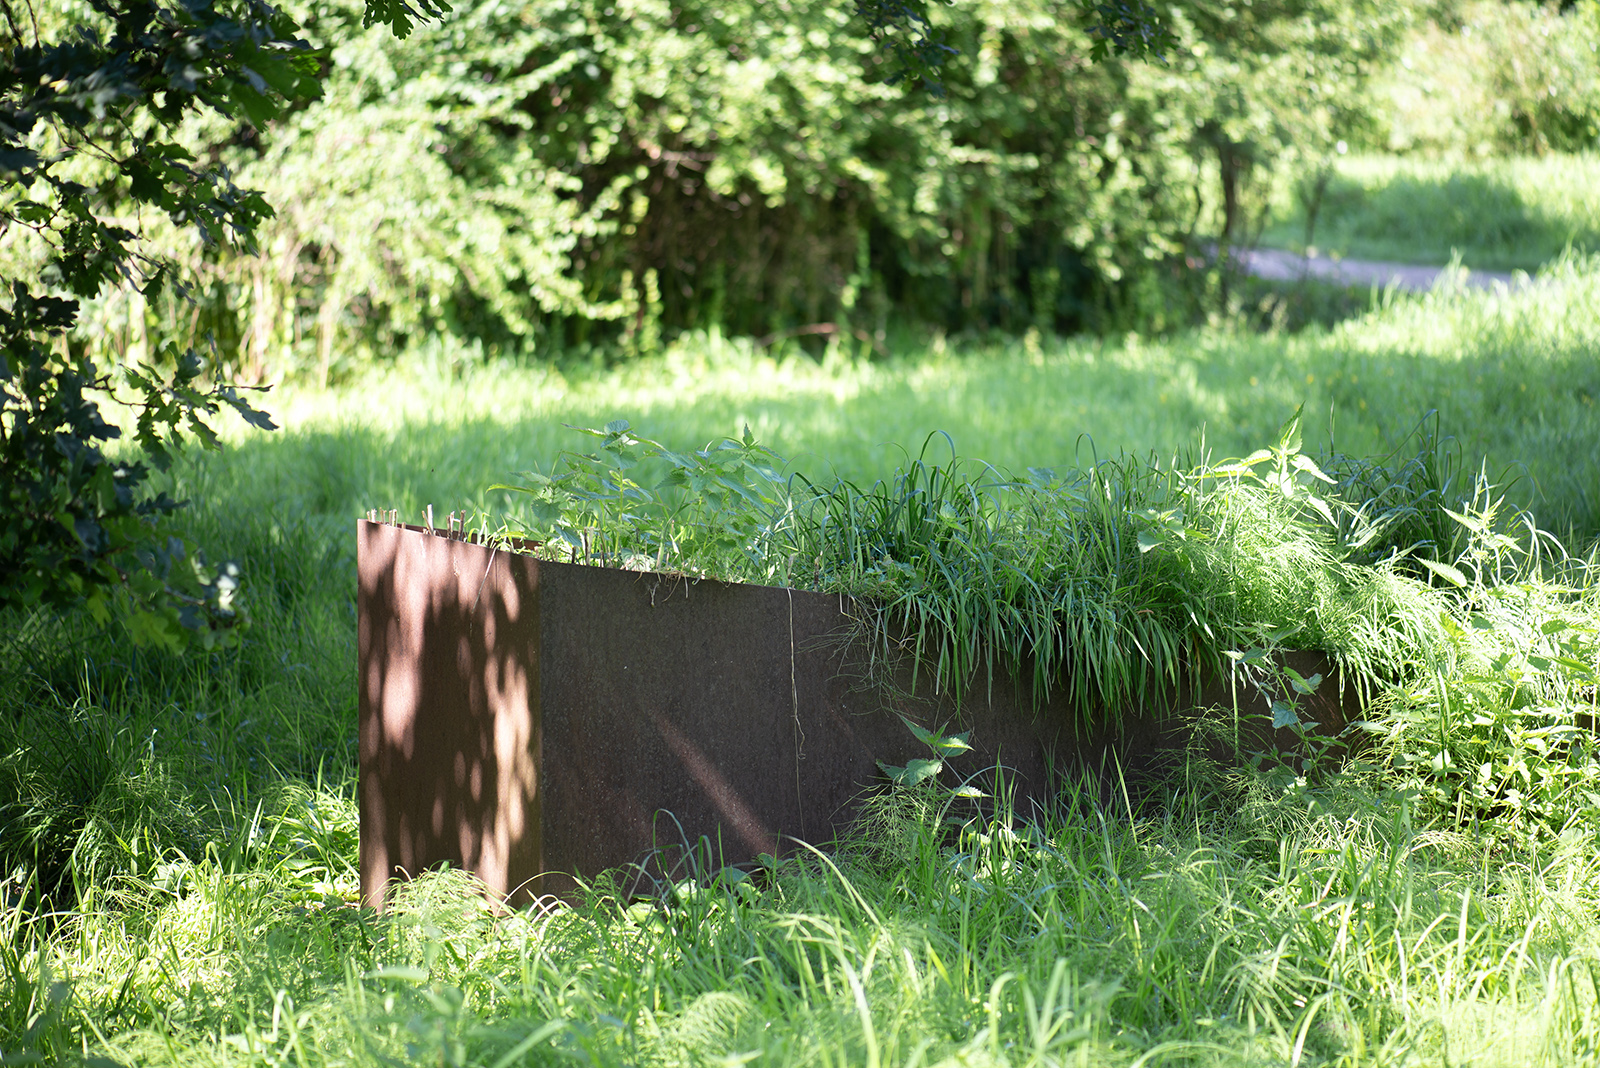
(1111, 584)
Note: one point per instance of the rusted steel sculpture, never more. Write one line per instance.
(534, 721)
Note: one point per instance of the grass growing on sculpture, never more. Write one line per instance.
(1115, 584)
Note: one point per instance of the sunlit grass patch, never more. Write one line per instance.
(1497, 214)
(1514, 376)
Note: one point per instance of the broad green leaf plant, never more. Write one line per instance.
(636, 503)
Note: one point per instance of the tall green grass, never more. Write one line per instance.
(1496, 214)
(179, 835)
(1227, 927)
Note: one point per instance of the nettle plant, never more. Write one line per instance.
(637, 504)
(1506, 743)
(910, 825)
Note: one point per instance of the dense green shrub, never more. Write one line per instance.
(1491, 78)
(568, 172)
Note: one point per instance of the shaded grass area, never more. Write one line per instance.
(1502, 214)
(179, 835)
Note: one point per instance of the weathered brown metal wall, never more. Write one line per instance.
(449, 709)
(535, 721)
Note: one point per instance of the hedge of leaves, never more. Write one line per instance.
(554, 173)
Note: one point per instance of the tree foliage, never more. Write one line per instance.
(90, 107)
(81, 525)
(1486, 78)
(543, 174)
(531, 172)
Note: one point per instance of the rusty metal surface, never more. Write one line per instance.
(448, 639)
(536, 721)
(734, 708)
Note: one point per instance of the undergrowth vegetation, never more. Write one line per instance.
(1221, 926)
(186, 893)
(1479, 79)
(178, 835)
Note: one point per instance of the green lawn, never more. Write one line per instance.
(1514, 378)
(194, 820)
(1499, 214)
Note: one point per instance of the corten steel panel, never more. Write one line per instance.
(449, 709)
(733, 707)
(523, 718)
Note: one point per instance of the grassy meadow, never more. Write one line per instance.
(1512, 376)
(180, 835)
(1496, 214)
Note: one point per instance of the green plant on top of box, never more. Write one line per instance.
(638, 504)
(1113, 584)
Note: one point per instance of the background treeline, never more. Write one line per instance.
(552, 176)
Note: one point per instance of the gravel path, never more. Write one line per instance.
(1281, 266)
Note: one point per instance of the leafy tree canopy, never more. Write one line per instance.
(81, 526)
